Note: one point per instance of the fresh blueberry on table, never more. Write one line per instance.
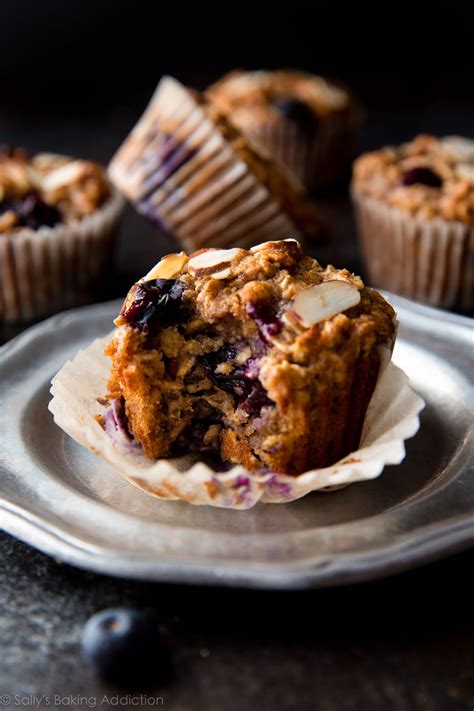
(123, 645)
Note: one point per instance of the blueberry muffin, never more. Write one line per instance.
(188, 169)
(57, 220)
(415, 211)
(305, 121)
(258, 357)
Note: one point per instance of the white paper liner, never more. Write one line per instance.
(426, 260)
(316, 160)
(180, 171)
(49, 269)
(392, 417)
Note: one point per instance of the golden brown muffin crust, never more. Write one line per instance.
(428, 177)
(257, 386)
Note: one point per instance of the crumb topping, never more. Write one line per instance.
(261, 90)
(429, 177)
(47, 188)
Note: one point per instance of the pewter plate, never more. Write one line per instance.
(62, 499)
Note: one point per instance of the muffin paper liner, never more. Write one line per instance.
(426, 260)
(52, 268)
(316, 159)
(181, 173)
(392, 417)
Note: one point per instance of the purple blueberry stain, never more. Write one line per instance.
(241, 480)
(242, 381)
(264, 316)
(168, 158)
(256, 399)
(278, 487)
(421, 175)
(116, 423)
(157, 302)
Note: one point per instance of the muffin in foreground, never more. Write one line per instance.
(57, 221)
(305, 121)
(255, 357)
(415, 211)
(188, 169)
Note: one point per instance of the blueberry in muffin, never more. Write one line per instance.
(260, 357)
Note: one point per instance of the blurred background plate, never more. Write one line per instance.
(63, 500)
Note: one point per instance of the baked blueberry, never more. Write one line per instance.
(158, 301)
(298, 112)
(422, 175)
(122, 644)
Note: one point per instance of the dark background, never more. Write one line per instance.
(413, 61)
(75, 77)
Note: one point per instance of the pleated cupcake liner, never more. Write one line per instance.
(392, 417)
(427, 260)
(316, 159)
(52, 268)
(180, 172)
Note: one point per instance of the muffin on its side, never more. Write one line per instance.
(415, 210)
(189, 170)
(57, 221)
(259, 356)
(305, 121)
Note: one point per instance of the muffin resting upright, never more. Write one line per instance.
(259, 356)
(415, 211)
(58, 217)
(308, 123)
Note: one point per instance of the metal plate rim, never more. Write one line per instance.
(426, 543)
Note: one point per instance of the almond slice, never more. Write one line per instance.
(264, 245)
(168, 267)
(466, 171)
(212, 262)
(318, 303)
(459, 148)
(65, 175)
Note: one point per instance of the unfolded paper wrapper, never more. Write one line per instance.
(78, 388)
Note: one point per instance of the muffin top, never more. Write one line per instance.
(46, 189)
(271, 292)
(428, 177)
(297, 95)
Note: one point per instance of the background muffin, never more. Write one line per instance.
(305, 121)
(188, 169)
(57, 220)
(415, 212)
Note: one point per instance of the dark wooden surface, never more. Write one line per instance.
(402, 643)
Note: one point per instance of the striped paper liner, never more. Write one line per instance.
(52, 268)
(427, 260)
